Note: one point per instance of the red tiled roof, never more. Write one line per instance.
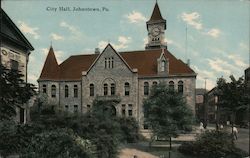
(50, 69)
(145, 61)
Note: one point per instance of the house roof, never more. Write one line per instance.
(144, 61)
(11, 32)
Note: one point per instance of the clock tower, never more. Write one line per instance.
(156, 27)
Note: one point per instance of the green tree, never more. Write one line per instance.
(166, 113)
(14, 92)
(232, 96)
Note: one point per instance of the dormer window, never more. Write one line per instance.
(163, 65)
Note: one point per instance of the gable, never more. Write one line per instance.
(11, 32)
(109, 60)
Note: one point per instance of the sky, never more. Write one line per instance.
(213, 35)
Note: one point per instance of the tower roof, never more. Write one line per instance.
(156, 15)
(51, 68)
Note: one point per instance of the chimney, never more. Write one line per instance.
(188, 62)
(97, 51)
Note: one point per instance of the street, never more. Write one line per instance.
(243, 139)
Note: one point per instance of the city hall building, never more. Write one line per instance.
(128, 76)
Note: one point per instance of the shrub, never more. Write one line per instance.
(212, 144)
(59, 143)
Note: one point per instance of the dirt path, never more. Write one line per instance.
(130, 153)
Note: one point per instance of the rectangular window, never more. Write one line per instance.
(112, 89)
(66, 108)
(75, 91)
(53, 91)
(105, 89)
(44, 88)
(14, 65)
(75, 108)
(130, 111)
(123, 110)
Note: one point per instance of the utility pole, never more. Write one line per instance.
(205, 104)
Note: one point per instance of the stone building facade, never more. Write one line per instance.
(15, 51)
(128, 76)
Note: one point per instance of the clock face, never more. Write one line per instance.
(156, 31)
(4, 52)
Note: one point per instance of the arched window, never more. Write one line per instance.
(171, 85)
(127, 88)
(91, 89)
(112, 89)
(180, 86)
(105, 89)
(88, 107)
(75, 91)
(66, 91)
(146, 88)
(53, 91)
(154, 83)
(163, 65)
(44, 88)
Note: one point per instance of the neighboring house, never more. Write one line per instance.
(15, 50)
(128, 76)
(212, 106)
(200, 104)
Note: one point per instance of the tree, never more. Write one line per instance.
(14, 92)
(166, 112)
(232, 96)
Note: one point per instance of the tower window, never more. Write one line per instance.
(91, 89)
(112, 89)
(163, 65)
(127, 88)
(66, 91)
(146, 88)
(180, 86)
(75, 91)
(171, 85)
(53, 91)
(44, 88)
(105, 89)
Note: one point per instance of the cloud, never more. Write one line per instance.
(221, 66)
(121, 44)
(214, 33)
(135, 17)
(56, 37)
(237, 60)
(192, 19)
(76, 33)
(168, 41)
(25, 28)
